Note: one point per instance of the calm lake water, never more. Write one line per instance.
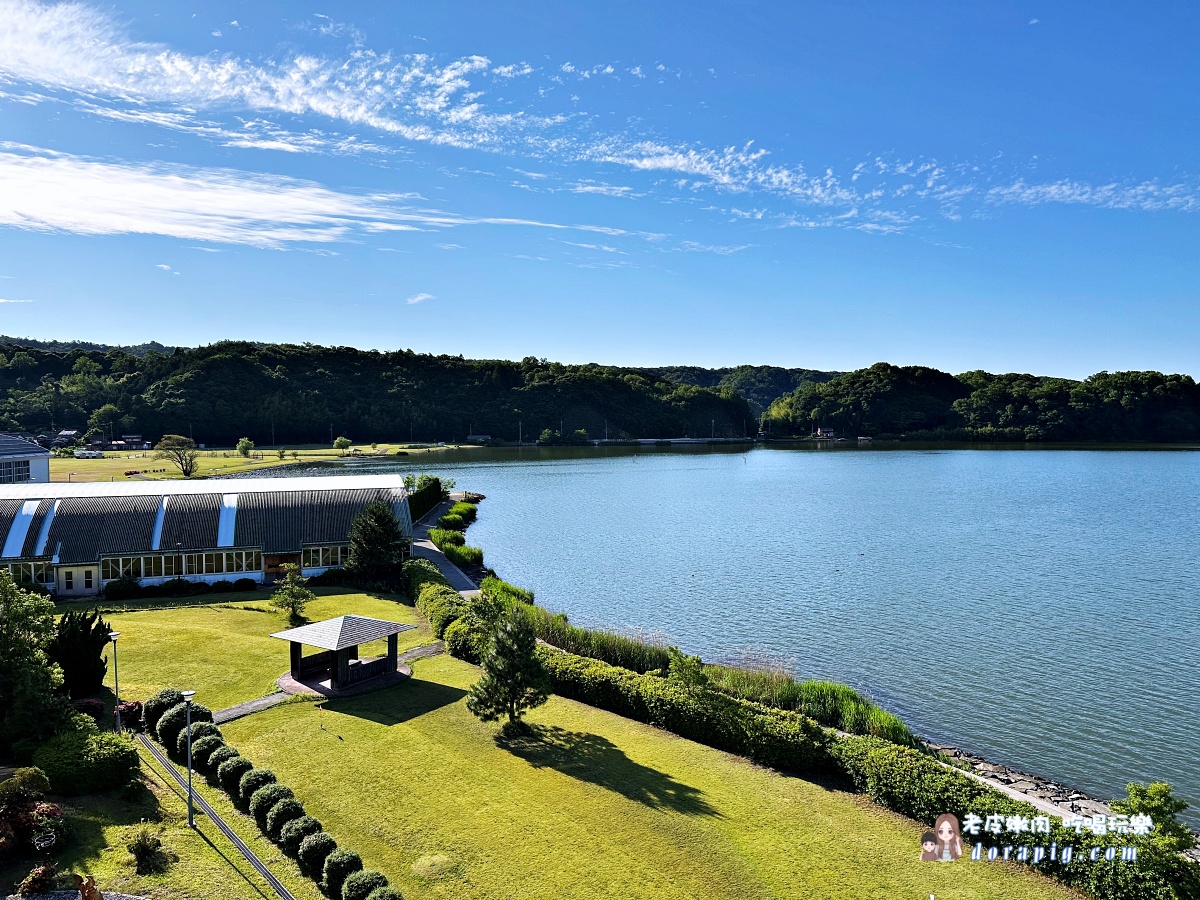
(1038, 607)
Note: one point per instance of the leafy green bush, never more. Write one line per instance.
(504, 592)
(451, 521)
(199, 730)
(251, 781)
(25, 785)
(230, 772)
(159, 704)
(78, 763)
(420, 572)
(836, 705)
(339, 865)
(465, 511)
(216, 758)
(263, 800)
(464, 642)
(614, 649)
(463, 557)
(778, 738)
(359, 885)
(202, 748)
(294, 832)
(281, 813)
(385, 893)
(313, 852)
(441, 605)
(443, 537)
(174, 720)
(245, 584)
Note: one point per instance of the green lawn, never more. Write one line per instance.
(592, 805)
(223, 650)
(205, 865)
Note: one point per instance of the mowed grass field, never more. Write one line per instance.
(213, 463)
(224, 650)
(590, 805)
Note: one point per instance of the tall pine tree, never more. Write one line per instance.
(514, 679)
(376, 545)
(78, 648)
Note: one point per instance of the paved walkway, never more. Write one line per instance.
(423, 548)
(221, 716)
(202, 804)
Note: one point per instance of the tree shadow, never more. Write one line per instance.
(592, 758)
(404, 702)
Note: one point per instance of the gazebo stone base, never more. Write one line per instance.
(318, 684)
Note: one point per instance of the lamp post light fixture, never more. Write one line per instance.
(112, 636)
(187, 698)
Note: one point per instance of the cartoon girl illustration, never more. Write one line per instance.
(949, 846)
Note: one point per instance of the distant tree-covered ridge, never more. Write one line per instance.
(294, 394)
(918, 402)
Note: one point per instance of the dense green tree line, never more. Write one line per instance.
(287, 393)
(913, 401)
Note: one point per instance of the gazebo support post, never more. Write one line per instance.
(297, 650)
(391, 652)
(340, 677)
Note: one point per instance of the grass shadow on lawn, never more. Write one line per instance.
(592, 758)
(402, 703)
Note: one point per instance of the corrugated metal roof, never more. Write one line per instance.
(190, 522)
(8, 511)
(342, 632)
(15, 446)
(35, 528)
(39, 490)
(85, 528)
(286, 521)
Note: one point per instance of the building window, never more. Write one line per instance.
(69, 580)
(325, 557)
(87, 580)
(13, 471)
(173, 566)
(31, 573)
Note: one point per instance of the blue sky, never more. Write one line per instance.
(1009, 186)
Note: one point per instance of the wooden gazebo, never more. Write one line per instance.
(339, 640)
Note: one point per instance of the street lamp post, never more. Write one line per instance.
(112, 636)
(187, 698)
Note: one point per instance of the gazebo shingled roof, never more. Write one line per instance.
(342, 632)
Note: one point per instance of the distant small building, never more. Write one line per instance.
(135, 442)
(478, 438)
(826, 433)
(22, 461)
(63, 438)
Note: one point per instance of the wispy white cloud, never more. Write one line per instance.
(3, 300)
(420, 298)
(1146, 196)
(46, 191)
(588, 186)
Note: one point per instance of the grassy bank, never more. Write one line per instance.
(591, 805)
(225, 649)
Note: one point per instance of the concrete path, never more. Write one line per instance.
(423, 548)
(202, 804)
(221, 716)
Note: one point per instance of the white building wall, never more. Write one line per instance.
(39, 469)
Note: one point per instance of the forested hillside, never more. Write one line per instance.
(914, 401)
(759, 385)
(286, 393)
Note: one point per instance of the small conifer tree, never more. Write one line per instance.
(376, 545)
(514, 679)
(291, 596)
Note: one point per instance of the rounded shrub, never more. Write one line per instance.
(230, 773)
(218, 756)
(202, 748)
(359, 885)
(264, 799)
(245, 584)
(159, 704)
(78, 763)
(313, 852)
(199, 730)
(281, 813)
(385, 893)
(251, 782)
(294, 832)
(339, 865)
(174, 720)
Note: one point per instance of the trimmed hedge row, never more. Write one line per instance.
(463, 557)
(422, 501)
(420, 572)
(773, 737)
(274, 807)
(442, 537)
(441, 605)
